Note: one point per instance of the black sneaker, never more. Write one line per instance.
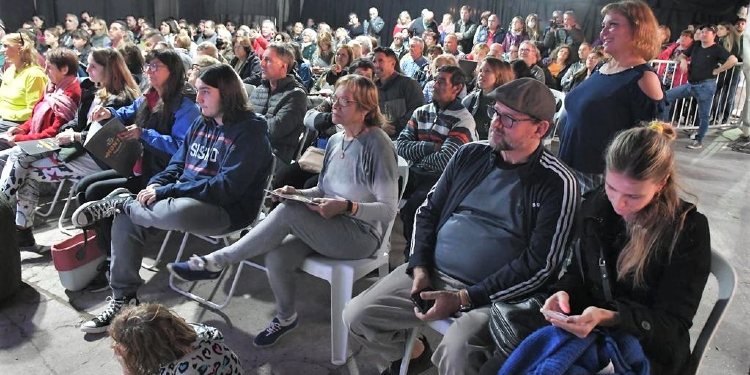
(100, 282)
(743, 138)
(91, 212)
(100, 323)
(416, 365)
(274, 332)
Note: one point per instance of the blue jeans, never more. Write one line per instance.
(703, 92)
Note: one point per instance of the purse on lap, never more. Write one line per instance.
(512, 321)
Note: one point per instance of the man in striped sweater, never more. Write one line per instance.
(495, 227)
(431, 137)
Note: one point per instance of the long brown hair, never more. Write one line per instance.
(645, 154)
(150, 336)
(116, 78)
(502, 69)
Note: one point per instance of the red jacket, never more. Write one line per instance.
(680, 77)
(52, 123)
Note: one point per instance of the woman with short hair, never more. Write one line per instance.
(624, 91)
(245, 62)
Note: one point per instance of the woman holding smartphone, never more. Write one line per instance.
(651, 248)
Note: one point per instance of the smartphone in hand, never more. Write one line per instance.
(423, 305)
(549, 314)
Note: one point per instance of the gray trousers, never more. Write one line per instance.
(287, 236)
(380, 317)
(131, 229)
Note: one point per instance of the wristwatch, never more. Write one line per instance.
(465, 301)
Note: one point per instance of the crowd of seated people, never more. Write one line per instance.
(214, 104)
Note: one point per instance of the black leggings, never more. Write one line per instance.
(96, 186)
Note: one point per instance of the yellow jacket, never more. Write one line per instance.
(20, 92)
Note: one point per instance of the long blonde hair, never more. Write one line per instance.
(732, 37)
(150, 336)
(26, 51)
(645, 154)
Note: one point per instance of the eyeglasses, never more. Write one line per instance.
(508, 121)
(153, 67)
(342, 102)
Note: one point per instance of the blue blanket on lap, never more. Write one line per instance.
(553, 351)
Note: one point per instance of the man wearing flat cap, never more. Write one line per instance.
(494, 227)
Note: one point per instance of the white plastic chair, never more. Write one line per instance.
(441, 326)
(342, 274)
(727, 280)
(560, 103)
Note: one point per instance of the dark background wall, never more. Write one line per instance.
(674, 13)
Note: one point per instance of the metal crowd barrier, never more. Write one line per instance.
(727, 103)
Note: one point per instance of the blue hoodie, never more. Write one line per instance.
(226, 165)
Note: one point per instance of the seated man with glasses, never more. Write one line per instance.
(431, 137)
(494, 227)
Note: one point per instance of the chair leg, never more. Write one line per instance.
(153, 267)
(342, 281)
(200, 299)
(71, 230)
(54, 200)
(410, 341)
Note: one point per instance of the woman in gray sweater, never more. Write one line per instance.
(347, 215)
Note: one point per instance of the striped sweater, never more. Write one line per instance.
(432, 136)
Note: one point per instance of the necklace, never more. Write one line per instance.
(345, 147)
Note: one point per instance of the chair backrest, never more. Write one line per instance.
(263, 210)
(727, 280)
(303, 141)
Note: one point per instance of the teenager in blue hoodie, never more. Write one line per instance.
(213, 184)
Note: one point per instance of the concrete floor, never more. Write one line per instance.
(39, 326)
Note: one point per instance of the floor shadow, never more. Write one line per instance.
(16, 314)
